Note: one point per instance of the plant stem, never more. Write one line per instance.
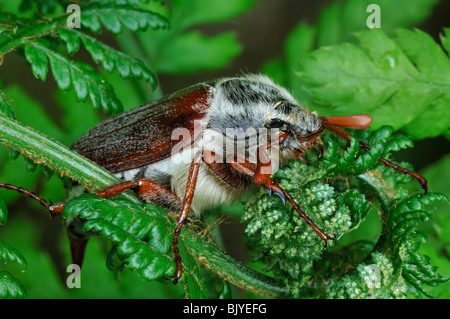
(382, 190)
(234, 271)
(54, 155)
(194, 286)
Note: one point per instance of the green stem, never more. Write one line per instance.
(234, 271)
(194, 287)
(383, 191)
(54, 155)
(23, 36)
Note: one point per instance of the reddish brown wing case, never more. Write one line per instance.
(142, 136)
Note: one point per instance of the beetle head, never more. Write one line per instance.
(255, 101)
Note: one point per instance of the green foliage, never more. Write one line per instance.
(140, 232)
(383, 76)
(52, 48)
(333, 192)
(10, 287)
(8, 253)
(390, 71)
(340, 192)
(338, 21)
(182, 50)
(5, 108)
(40, 50)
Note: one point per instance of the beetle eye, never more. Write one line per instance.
(277, 123)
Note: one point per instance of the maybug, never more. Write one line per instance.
(138, 147)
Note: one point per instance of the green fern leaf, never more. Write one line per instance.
(381, 135)
(115, 17)
(140, 233)
(10, 254)
(111, 59)
(5, 107)
(69, 73)
(348, 157)
(330, 193)
(137, 255)
(10, 287)
(38, 60)
(368, 159)
(331, 153)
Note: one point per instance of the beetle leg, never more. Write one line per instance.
(54, 209)
(182, 219)
(147, 189)
(263, 178)
(264, 163)
(422, 180)
(277, 189)
(77, 245)
(272, 186)
(153, 192)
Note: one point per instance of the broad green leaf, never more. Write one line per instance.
(179, 51)
(10, 287)
(340, 20)
(391, 79)
(190, 13)
(445, 40)
(299, 42)
(337, 23)
(193, 51)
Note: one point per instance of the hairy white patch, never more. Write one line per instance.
(209, 192)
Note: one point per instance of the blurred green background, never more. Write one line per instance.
(248, 38)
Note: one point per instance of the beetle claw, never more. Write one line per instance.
(173, 279)
(283, 198)
(270, 192)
